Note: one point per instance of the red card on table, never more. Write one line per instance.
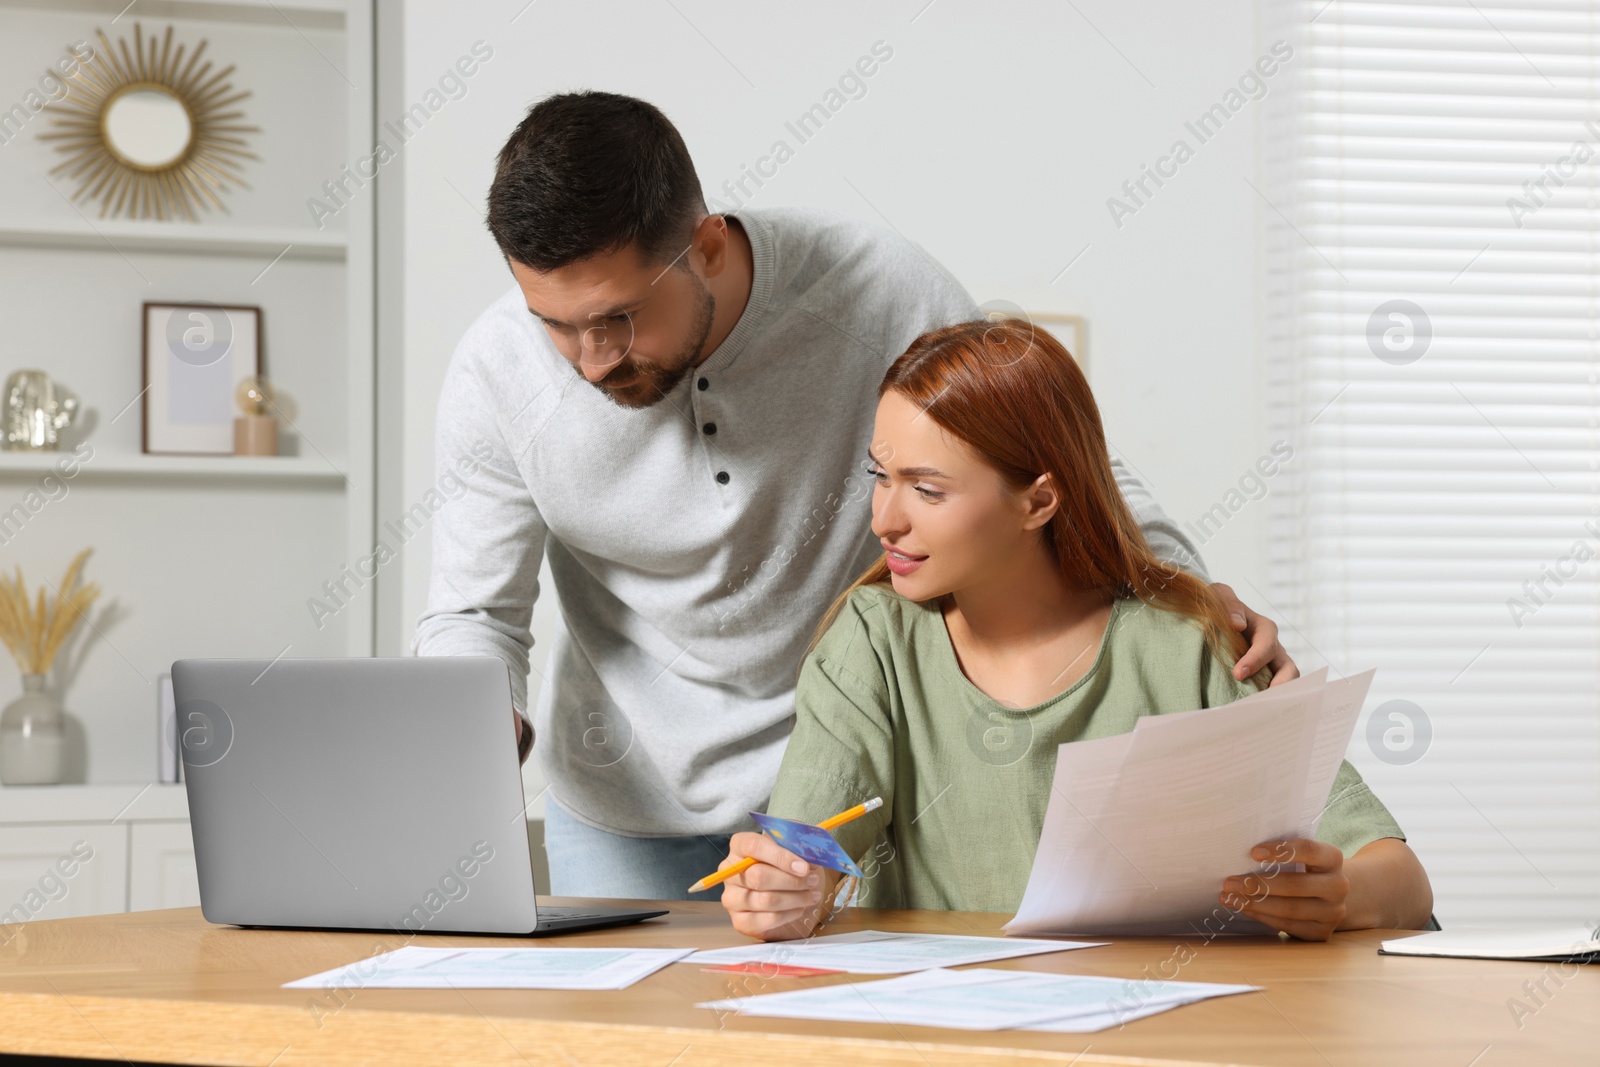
(771, 970)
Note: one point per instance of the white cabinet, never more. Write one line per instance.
(161, 870)
(71, 850)
(62, 871)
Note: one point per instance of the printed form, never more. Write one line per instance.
(1143, 827)
(984, 999)
(414, 967)
(876, 952)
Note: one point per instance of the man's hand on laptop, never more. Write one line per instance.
(524, 736)
(1262, 633)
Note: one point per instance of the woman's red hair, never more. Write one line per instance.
(1011, 392)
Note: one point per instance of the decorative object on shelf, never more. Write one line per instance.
(255, 433)
(32, 727)
(170, 759)
(1070, 330)
(196, 356)
(147, 133)
(35, 414)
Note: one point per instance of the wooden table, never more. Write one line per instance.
(168, 986)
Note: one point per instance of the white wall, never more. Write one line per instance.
(992, 141)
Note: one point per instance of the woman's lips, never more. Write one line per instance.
(901, 563)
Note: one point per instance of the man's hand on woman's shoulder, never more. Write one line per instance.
(1265, 650)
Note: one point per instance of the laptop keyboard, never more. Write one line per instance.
(546, 913)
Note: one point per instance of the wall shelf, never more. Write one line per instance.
(170, 531)
(298, 14)
(304, 469)
(128, 235)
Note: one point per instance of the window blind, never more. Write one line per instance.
(1431, 243)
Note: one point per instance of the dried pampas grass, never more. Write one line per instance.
(34, 633)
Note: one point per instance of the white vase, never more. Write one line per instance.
(32, 737)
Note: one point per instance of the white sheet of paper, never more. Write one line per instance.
(414, 967)
(876, 952)
(1143, 827)
(982, 999)
(1140, 1006)
(1340, 710)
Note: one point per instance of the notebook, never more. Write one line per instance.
(1562, 945)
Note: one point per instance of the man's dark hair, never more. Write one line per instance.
(590, 173)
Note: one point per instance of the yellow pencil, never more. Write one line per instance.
(750, 861)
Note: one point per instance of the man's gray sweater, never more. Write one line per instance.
(694, 544)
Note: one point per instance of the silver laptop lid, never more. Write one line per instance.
(356, 793)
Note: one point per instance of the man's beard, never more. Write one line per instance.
(648, 384)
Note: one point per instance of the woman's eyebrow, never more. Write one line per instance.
(910, 472)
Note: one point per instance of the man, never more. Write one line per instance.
(675, 407)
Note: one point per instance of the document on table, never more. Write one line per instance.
(983, 999)
(1142, 827)
(876, 952)
(414, 967)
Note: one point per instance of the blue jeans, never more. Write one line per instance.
(585, 862)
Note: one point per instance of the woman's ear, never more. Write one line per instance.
(1040, 502)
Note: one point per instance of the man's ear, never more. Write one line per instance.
(708, 246)
(1040, 502)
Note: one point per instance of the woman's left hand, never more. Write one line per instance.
(1308, 905)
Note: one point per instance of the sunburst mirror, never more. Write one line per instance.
(148, 133)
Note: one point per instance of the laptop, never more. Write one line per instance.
(362, 794)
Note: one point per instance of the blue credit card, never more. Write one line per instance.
(811, 843)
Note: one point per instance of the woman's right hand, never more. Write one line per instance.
(778, 899)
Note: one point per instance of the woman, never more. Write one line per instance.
(1016, 607)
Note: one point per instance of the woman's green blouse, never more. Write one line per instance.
(883, 709)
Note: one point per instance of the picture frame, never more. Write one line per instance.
(194, 356)
(1070, 330)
